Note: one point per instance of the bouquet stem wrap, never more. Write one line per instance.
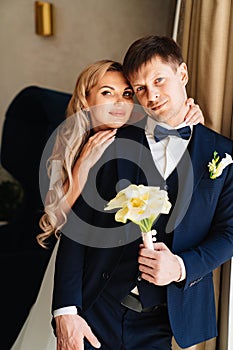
(147, 238)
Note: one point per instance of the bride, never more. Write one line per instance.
(80, 142)
(37, 332)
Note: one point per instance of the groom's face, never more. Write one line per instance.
(160, 89)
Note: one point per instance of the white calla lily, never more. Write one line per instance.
(141, 205)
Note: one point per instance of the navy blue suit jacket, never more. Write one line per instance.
(201, 221)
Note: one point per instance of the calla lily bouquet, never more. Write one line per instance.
(142, 205)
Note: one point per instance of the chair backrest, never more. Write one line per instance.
(30, 119)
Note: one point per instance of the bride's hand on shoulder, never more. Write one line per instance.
(194, 115)
(71, 331)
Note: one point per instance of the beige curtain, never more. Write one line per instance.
(205, 33)
(206, 37)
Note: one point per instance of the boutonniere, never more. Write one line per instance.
(141, 205)
(216, 166)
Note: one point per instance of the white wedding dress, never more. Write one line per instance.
(37, 332)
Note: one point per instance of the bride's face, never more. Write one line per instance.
(110, 101)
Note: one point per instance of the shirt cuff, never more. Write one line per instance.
(68, 310)
(182, 269)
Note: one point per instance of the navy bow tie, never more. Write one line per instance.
(160, 133)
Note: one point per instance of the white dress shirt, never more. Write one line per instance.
(167, 152)
(166, 155)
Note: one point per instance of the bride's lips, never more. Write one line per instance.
(117, 113)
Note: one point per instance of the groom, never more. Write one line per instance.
(174, 293)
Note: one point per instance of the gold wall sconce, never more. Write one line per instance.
(43, 18)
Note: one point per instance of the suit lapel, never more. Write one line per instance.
(129, 143)
(129, 146)
(191, 169)
(201, 151)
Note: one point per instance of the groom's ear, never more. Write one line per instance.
(183, 72)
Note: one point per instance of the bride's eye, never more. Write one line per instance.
(128, 94)
(106, 93)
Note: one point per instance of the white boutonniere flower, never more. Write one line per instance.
(216, 166)
(141, 205)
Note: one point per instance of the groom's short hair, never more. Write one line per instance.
(144, 49)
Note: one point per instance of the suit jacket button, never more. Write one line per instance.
(139, 278)
(105, 275)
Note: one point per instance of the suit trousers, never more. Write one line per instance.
(119, 328)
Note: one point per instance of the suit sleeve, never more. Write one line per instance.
(68, 274)
(217, 247)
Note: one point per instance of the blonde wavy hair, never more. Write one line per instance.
(70, 139)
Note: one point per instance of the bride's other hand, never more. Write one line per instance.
(194, 115)
(91, 153)
(71, 331)
(95, 147)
